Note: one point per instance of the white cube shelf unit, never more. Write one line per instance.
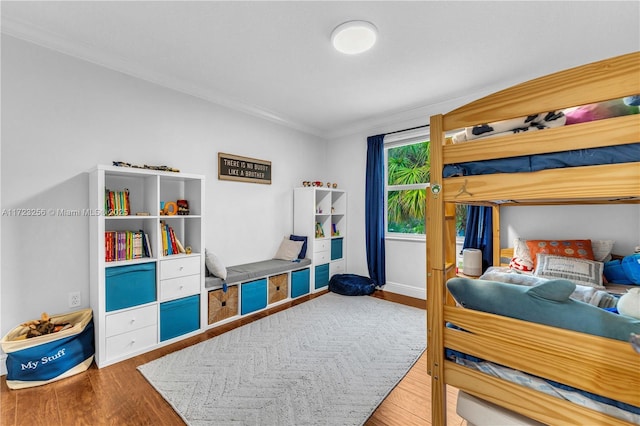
(321, 215)
(141, 303)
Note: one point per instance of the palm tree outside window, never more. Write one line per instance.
(408, 172)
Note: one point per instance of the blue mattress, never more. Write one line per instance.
(531, 163)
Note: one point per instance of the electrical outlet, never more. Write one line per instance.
(74, 299)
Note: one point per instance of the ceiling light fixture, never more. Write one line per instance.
(354, 37)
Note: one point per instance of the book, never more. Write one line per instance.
(150, 250)
(172, 237)
(116, 203)
(168, 237)
(146, 246)
(180, 246)
(138, 251)
(165, 249)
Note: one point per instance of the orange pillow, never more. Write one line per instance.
(568, 248)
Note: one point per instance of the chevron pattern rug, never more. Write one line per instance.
(328, 361)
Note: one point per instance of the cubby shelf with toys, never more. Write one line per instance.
(147, 297)
(320, 213)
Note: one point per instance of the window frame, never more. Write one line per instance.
(395, 140)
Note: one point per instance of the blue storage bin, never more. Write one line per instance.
(322, 276)
(300, 282)
(130, 285)
(179, 317)
(336, 248)
(253, 296)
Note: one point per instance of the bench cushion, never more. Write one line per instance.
(250, 271)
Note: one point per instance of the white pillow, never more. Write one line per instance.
(602, 249)
(214, 265)
(580, 271)
(289, 249)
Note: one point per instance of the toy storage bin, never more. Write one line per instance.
(336, 248)
(300, 283)
(179, 317)
(50, 357)
(278, 287)
(223, 304)
(322, 276)
(253, 296)
(130, 285)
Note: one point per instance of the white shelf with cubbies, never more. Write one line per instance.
(147, 259)
(320, 214)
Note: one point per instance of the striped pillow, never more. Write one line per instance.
(579, 271)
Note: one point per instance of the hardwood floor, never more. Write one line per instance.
(119, 395)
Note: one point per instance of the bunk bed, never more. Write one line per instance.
(599, 365)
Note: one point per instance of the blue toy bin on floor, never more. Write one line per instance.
(50, 357)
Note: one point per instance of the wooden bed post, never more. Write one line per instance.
(495, 212)
(435, 218)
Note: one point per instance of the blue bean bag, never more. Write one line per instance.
(351, 285)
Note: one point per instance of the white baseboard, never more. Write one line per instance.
(3, 364)
(406, 290)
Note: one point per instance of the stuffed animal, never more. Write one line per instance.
(625, 271)
(548, 303)
(629, 303)
(36, 328)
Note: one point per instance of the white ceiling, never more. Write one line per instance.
(274, 59)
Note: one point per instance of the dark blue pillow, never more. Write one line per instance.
(351, 285)
(303, 250)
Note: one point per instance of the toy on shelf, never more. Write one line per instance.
(183, 207)
(160, 168)
(318, 184)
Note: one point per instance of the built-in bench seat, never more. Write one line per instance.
(250, 271)
(254, 286)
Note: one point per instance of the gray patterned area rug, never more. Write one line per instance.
(328, 361)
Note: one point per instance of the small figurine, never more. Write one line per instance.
(335, 185)
(328, 184)
(183, 207)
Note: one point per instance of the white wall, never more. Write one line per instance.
(62, 116)
(620, 223)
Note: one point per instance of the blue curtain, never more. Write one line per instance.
(478, 233)
(374, 209)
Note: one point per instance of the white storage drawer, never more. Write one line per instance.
(320, 257)
(321, 245)
(133, 341)
(176, 288)
(336, 267)
(180, 267)
(133, 319)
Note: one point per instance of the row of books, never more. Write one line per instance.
(116, 203)
(126, 245)
(170, 243)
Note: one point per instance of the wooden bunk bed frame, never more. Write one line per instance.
(603, 366)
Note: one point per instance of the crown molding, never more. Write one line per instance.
(53, 41)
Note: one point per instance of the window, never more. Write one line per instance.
(407, 176)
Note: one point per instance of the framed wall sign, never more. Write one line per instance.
(243, 169)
